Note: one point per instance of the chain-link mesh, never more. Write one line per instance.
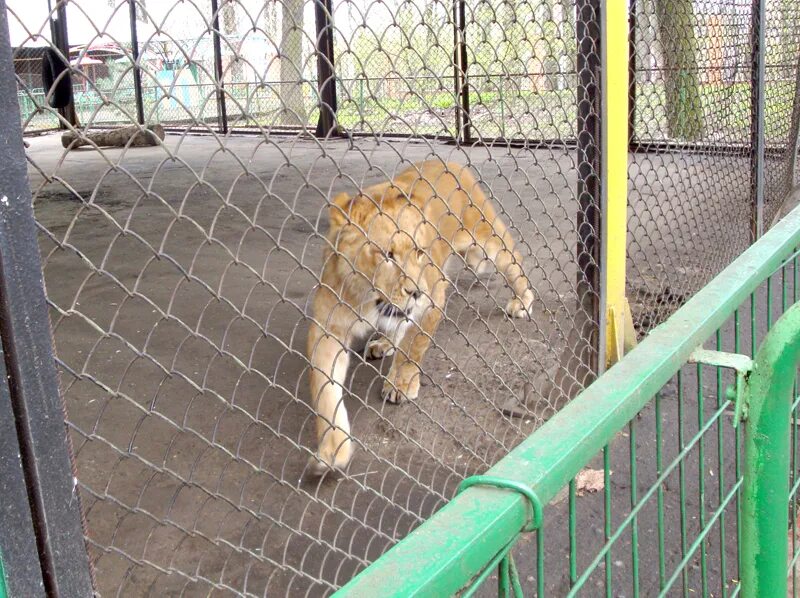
(28, 68)
(692, 179)
(185, 279)
(395, 67)
(177, 86)
(522, 61)
(782, 103)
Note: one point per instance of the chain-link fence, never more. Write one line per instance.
(699, 190)
(225, 302)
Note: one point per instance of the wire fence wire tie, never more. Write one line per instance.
(536, 505)
(741, 364)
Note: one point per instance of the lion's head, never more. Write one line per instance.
(381, 239)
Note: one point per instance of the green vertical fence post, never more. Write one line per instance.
(3, 592)
(765, 500)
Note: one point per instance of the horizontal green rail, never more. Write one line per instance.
(456, 544)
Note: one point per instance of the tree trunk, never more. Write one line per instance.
(230, 26)
(293, 110)
(681, 78)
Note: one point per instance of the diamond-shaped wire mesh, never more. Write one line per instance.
(395, 67)
(181, 277)
(782, 102)
(691, 178)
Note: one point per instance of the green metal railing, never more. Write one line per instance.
(3, 593)
(767, 450)
(692, 503)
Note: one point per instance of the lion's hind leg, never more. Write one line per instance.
(488, 239)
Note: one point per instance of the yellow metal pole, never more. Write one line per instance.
(620, 335)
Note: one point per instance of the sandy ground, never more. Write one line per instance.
(179, 278)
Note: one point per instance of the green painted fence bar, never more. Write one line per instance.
(455, 545)
(766, 469)
(3, 591)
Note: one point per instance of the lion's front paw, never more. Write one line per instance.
(520, 308)
(379, 348)
(404, 385)
(334, 452)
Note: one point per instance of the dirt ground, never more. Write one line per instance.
(179, 280)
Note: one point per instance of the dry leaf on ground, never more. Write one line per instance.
(589, 481)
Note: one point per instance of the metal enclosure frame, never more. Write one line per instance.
(30, 386)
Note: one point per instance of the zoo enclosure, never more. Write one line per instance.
(695, 202)
(741, 535)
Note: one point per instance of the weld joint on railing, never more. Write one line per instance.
(537, 511)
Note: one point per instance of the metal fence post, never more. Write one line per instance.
(219, 75)
(326, 71)
(33, 383)
(456, 72)
(587, 28)
(18, 554)
(757, 123)
(765, 489)
(60, 39)
(632, 72)
(137, 71)
(460, 59)
(616, 323)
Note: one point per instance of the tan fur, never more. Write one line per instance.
(388, 247)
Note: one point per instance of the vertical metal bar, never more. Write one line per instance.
(634, 500)
(515, 582)
(540, 585)
(792, 481)
(456, 72)
(137, 71)
(753, 324)
(464, 133)
(3, 588)
(18, 554)
(723, 565)
(573, 539)
(660, 497)
(25, 333)
(607, 516)
(769, 303)
(757, 123)
(219, 76)
(503, 579)
(701, 481)
(765, 491)
(737, 450)
(326, 70)
(587, 28)
(784, 294)
(794, 422)
(457, 116)
(632, 72)
(615, 317)
(682, 481)
(60, 36)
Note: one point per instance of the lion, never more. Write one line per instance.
(383, 279)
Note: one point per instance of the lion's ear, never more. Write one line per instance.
(339, 209)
